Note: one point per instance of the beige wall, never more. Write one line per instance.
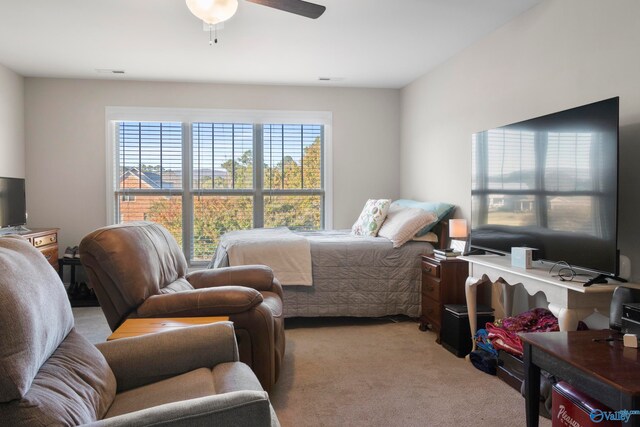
(558, 55)
(65, 134)
(12, 151)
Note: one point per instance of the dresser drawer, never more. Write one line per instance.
(51, 254)
(431, 310)
(431, 288)
(47, 239)
(430, 269)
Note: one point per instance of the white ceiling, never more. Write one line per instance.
(362, 43)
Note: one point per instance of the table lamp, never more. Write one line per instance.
(458, 234)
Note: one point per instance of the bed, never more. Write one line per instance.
(354, 276)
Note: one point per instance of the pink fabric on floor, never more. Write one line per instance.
(503, 334)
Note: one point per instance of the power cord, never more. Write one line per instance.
(566, 273)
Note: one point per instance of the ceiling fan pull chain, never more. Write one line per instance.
(213, 29)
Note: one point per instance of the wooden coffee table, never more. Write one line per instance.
(142, 326)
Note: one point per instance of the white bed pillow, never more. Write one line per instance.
(371, 218)
(439, 208)
(403, 223)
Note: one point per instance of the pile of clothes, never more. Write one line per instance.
(502, 335)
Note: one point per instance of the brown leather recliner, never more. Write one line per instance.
(138, 270)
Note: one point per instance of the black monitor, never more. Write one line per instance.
(550, 183)
(13, 205)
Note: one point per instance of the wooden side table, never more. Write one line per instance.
(594, 362)
(150, 325)
(442, 283)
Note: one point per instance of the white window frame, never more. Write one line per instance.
(188, 116)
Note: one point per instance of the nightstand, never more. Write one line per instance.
(46, 241)
(442, 283)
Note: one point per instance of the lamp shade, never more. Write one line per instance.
(457, 228)
(213, 11)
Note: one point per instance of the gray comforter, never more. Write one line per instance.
(355, 276)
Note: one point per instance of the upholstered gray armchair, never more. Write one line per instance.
(51, 375)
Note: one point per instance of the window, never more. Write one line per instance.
(202, 178)
(292, 176)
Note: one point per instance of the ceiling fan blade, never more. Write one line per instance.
(299, 7)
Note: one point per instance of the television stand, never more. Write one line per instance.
(568, 301)
(602, 278)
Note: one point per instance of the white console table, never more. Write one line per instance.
(568, 301)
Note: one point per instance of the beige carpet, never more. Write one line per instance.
(368, 372)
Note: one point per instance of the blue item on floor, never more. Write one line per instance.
(485, 361)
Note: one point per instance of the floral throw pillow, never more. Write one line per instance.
(371, 217)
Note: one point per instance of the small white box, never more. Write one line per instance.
(630, 340)
(521, 257)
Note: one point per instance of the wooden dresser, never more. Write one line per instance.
(46, 241)
(442, 283)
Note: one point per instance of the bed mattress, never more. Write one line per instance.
(355, 276)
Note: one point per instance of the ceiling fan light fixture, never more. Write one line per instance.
(213, 11)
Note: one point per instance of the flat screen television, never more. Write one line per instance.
(13, 206)
(550, 183)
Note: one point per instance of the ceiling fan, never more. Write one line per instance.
(299, 7)
(214, 12)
